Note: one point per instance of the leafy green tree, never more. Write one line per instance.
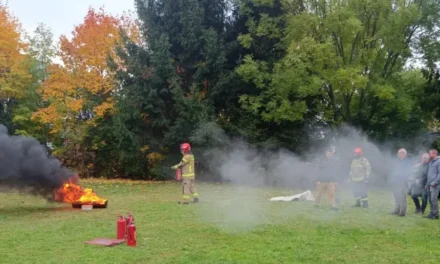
(262, 26)
(41, 52)
(430, 98)
(350, 55)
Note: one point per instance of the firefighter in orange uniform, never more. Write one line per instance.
(188, 174)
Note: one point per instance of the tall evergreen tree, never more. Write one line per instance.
(167, 86)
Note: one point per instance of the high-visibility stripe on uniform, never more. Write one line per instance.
(191, 166)
(360, 179)
(186, 197)
(189, 175)
(365, 199)
(195, 195)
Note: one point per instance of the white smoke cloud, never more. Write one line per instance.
(248, 168)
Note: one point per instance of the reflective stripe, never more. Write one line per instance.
(184, 160)
(189, 175)
(191, 164)
(186, 197)
(365, 199)
(358, 179)
(195, 195)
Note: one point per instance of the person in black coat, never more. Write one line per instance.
(418, 184)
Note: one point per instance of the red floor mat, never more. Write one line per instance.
(107, 242)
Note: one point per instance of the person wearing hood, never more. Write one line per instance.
(433, 183)
(400, 176)
(420, 174)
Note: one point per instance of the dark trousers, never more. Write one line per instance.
(433, 199)
(360, 192)
(416, 192)
(399, 193)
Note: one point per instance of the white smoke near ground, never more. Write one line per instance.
(251, 171)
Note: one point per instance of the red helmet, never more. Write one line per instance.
(358, 151)
(185, 147)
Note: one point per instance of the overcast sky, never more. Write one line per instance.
(61, 15)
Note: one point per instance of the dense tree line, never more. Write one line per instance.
(276, 73)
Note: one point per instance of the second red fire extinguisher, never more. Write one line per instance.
(131, 234)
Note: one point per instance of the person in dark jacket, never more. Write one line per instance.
(326, 184)
(400, 176)
(418, 184)
(433, 183)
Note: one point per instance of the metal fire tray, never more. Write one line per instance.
(99, 206)
(106, 242)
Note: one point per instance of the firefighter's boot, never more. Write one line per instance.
(196, 200)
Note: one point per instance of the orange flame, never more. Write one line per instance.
(72, 193)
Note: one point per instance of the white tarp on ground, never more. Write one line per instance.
(305, 196)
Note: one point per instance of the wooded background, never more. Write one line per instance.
(118, 97)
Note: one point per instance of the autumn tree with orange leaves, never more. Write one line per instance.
(79, 91)
(14, 74)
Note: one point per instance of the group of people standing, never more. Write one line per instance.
(425, 183)
(420, 180)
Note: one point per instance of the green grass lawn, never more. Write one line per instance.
(230, 225)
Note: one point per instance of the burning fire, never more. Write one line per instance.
(72, 193)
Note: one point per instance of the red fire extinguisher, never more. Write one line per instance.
(131, 234)
(178, 174)
(128, 220)
(120, 228)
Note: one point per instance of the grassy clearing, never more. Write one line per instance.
(230, 225)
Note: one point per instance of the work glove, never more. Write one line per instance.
(175, 167)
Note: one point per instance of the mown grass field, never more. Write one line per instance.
(230, 225)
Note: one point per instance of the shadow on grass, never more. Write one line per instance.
(28, 209)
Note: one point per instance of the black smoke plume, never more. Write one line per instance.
(26, 166)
